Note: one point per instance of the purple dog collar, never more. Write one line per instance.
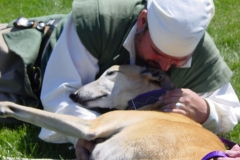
(145, 99)
(214, 154)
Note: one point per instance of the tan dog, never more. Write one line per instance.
(130, 134)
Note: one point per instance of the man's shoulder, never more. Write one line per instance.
(208, 70)
(207, 45)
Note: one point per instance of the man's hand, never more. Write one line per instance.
(186, 102)
(84, 148)
(233, 154)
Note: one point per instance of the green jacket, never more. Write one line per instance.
(102, 26)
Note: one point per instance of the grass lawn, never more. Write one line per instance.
(225, 32)
(22, 141)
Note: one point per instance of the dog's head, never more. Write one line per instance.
(119, 84)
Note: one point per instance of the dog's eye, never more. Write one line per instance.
(110, 73)
(160, 78)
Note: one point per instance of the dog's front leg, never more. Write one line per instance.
(102, 127)
(67, 125)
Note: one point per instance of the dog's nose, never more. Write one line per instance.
(74, 97)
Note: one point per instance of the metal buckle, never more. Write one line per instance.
(22, 22)
(40, 26)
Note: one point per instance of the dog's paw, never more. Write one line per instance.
(5, 110)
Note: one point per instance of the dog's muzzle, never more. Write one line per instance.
(74, 97)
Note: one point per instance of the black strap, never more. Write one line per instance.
(37, 75)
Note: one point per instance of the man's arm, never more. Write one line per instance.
(69, 67)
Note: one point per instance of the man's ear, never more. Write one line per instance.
(142, 21)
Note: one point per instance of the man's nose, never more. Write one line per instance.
(165, 64)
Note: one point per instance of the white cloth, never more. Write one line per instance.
(224, 109)
(71, 66)
(176, 27)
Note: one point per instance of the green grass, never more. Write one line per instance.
(22, 141)
(225, 32)
(11, 9)
(224, 29)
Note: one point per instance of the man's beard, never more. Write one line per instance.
(137, 39)
(139, 56)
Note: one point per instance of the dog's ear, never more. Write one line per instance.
(159, 76)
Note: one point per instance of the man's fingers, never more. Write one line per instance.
(236, 148)
(175, 92)
(82, 153)
(83, 149)
(233, 154)
(171, 96)
(174, 110)
(167, 101)
(89, 145)
(173, 106)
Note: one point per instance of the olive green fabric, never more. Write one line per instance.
(103, 25)
(208, 71)
(35, 42)
(24, 45)
(23, 54)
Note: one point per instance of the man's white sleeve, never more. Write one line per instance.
(69, 67)
(224, 109)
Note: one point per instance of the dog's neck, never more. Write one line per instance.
(145, 100)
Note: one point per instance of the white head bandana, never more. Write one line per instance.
(176, 26)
